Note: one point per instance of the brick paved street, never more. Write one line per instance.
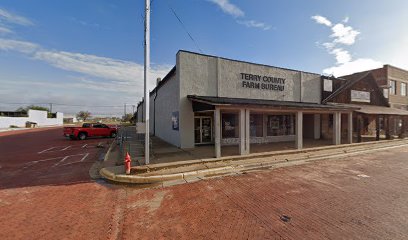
(362, 197)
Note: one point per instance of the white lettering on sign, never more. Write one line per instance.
(360, 96)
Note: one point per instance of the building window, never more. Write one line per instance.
(230, 125)
(403, 89)
(280, 125)
(256, 125)
(393, 87)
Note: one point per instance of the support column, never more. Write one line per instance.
(336, 128)
(299, 130)
(387, 123)
(217, 126)
(350, 128)
(242, 132)
(316, 128)
(247, 132)
(377, 128)
(402, 130)
(359, 127)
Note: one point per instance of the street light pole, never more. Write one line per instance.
(146, 78)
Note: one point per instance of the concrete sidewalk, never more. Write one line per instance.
(193, 170)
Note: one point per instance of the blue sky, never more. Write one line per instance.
(91, 52)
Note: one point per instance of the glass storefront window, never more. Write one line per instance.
(230, 125)
(256, 125)
(280, 125)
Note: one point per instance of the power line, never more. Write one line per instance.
(185, 28)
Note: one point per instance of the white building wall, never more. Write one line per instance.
(213, 76)
(167, 102)
(36, 116)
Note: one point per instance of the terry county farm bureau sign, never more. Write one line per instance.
(262, 82)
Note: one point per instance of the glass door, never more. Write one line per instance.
(206, 130)
(197, 130)
(202, 130)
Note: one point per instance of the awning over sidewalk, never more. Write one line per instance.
(224, 101)
(377, 110)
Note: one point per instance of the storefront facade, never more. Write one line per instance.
(212, 100)
(374, 118)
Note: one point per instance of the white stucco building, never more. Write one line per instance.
(213, 100)
(40, 118)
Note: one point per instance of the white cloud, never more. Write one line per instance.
(229, 8)
(5, 30)
(19, 46)
(233, 10)
(322, 20)
(344, 34)
(13, 18)
(255, 24)
(346, 19)
(342, 56)
(102, 67)
(114, 70)
(358, 65)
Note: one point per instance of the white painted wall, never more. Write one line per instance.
(213, 76)
(39, 117)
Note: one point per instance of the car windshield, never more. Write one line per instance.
(86, 125)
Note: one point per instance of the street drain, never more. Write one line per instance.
(285, 218)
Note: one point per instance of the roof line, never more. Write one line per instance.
(343, 87)
(241, 61)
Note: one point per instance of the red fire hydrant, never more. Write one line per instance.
(127, 163)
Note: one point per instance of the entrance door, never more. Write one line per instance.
(202, 130)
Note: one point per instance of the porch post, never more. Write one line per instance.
(359, 127)
(403, 124)
(350, 127)
(217, 125)
(387, 127)
(242, 131)
(336, 128)
(247, 132)
(317, 126)
(299, 130)
(377, 128)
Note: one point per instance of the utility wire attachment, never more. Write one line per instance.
(185, 29)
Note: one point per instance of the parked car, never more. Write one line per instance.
(90, 130)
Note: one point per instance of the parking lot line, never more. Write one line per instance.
(56, 158)
(46, 150)
(65, 148)
(86, 155)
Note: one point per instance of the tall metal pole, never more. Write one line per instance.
(146, 79)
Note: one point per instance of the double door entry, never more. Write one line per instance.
(203, 130)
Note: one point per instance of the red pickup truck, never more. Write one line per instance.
(90, 130)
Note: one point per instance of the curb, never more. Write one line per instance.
(109, 173)
(160, 166)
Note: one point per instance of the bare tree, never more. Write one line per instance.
(83, 115)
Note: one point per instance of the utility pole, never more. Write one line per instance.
(146, 78)
(124, 110)
(50, 107)
(133, 106)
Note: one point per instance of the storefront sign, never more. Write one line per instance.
(360, 96)
(262, 82)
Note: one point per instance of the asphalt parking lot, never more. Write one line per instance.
(45, 156)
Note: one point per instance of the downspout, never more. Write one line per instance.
(154, 113)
